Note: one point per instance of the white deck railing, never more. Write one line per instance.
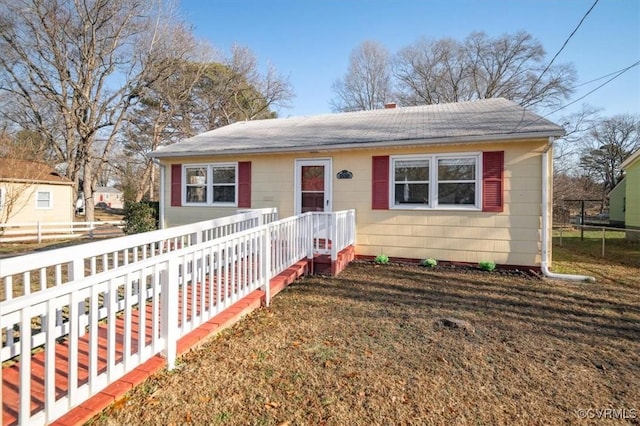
(333, 231)
(22, 275)
(116, 318)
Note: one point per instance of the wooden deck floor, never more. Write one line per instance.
(83, 412)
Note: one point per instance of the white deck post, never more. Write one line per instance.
(309, 222)
(265, 263)
(333, 231)
(76, 269)
(24, 415)
(169, 303)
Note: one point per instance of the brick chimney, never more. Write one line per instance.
(390, 105)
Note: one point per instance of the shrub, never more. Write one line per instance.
(487, 265)
(429, 263)
(382, 259)
(139, 217)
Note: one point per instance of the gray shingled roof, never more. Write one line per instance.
(463, 122)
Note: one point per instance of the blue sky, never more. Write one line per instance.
(310, 41)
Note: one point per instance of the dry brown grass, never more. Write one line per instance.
(369, 348)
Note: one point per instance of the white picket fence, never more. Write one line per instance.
(163, 284)
(40, 231)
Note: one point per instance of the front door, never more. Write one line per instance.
(313, 185)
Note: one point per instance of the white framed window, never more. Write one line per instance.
(44, 200)
(210, 184)
(3, 197)
(445, 181)
(458, 181)
(196, 181)
(410, 180)
(223, 183)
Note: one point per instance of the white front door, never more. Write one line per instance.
(313, 185)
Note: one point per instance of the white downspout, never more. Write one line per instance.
(161, 208)
(544, 266)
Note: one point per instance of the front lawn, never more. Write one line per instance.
(370, 347)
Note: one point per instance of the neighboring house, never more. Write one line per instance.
(631, 201)
(105, 196)
(33, 192)
(459, 182)
(617, 201)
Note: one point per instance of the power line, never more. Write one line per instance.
(617, 74)
(598, 78)
(571, 35)
(561, 48)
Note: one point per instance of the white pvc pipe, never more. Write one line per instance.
(162, 199)
(544, 266)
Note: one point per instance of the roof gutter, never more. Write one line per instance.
(544, 267)
(445, 141)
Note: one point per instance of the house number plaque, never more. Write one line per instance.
(344, 174)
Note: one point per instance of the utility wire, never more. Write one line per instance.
(617, 74)
(561, 48)
(597, 78)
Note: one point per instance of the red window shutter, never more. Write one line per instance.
(244, 184)
(176, 185)
(380, 183)
(493, 181)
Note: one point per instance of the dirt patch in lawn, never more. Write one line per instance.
(376, 345)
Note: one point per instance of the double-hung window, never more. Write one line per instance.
(210, 184)
(457, 180)
(44, 200)
(196, 184)
(411, 181)
(223, 183)
(435, 181)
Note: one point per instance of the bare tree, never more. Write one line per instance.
(75, 68)
(566, 150)
(367, 83)
(253, 93)
(511, 66)
(161, 116)
(234, 89)
(24, 145)
(608, 144)
(201, 94)
(432, 72)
